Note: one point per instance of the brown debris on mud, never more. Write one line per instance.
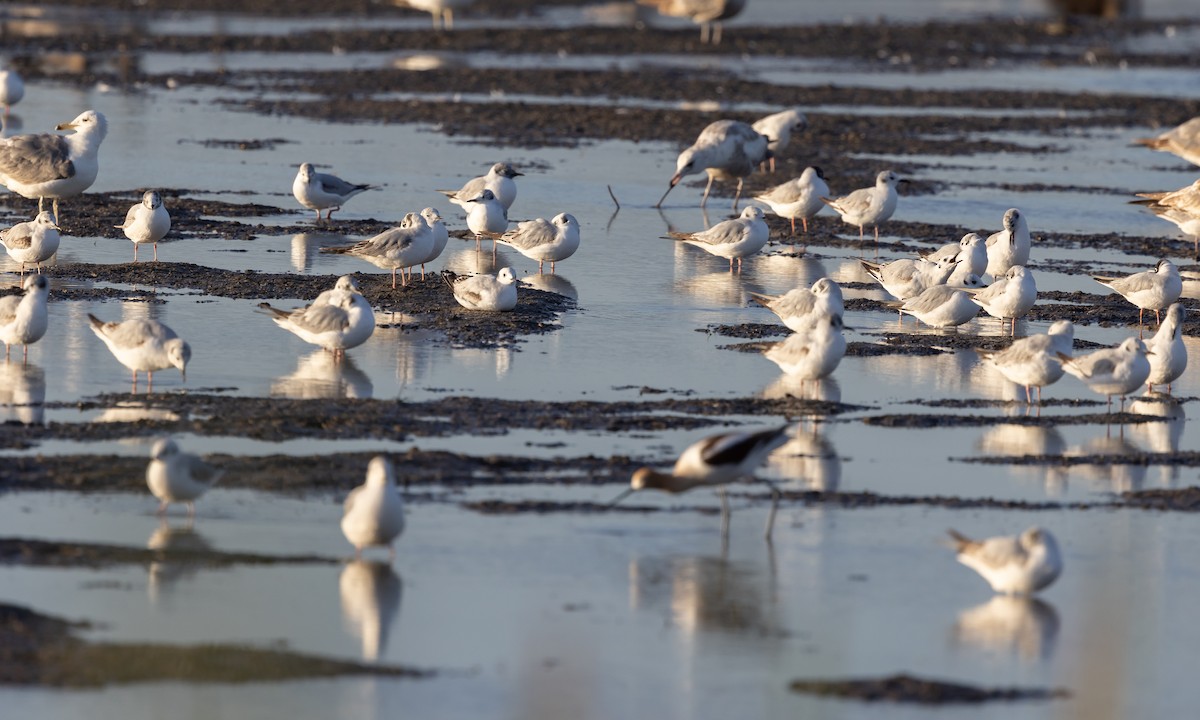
(910, 689)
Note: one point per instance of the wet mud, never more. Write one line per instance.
(910, 689)
(41, 650)
(41, 553)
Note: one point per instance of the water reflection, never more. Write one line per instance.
(809, 460)
(1020, 440)
(166, 573)
(23, 393)
(468, 260)
(370, 591)
(785, 386)
(720, 289)
(1160, 437)
(130, 412)
(1112, 476)
(1026, 628)
(556, 284)
(306, 246)
(700, 593)
(319, 375)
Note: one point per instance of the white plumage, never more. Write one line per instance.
(373, 514)
(174, 476)
(1013, 565)
(146, 222)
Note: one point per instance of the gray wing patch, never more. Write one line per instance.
(36, 158)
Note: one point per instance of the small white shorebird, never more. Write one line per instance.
(799, 198)
(906, 277)
(486, 215)
(813, 354)
(715, 460)
(970, 253)
(939, 306)
(337, 321)
(732, 239)
(725, 150)
(1009, 298)
(146, 222)
(441, 236)
(1009, 246)
(801, 307)
(499, 180)
(1035, 361)
(34, 241)
(54, 166)
(12, 89)
(1182, 140)
(321, 191)
(1012, 564)
(175, 476)
(373, 514)
(393, 249)
(1117, 370)
(143, 344)
(868, 206)
(1168, 355)
(545, 240)
(778, 129)
(23, 318)
(1150, 290)
(707, 13)
(484, 292)
(442, 11)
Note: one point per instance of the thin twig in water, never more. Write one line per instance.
(614, 197)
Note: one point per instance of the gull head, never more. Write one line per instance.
(89, 122)
(505, 276)
(486, 196)
(1038, 538)
(432, 216)
(685, 165)
(970, 240)
(46, 220)
(1133, 346)
(505, 170)
(1175, 315)
(810, 171)
(1012, 216)
(164, 448)
(307, 171)
(1016, 272)
(1164, 266)
(178, 354)
(565, 220)
(753, 212)
(346, 283)
(152, 200)
(380, 472)
(886, 178)
(36, 283)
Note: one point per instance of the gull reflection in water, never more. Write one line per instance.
(319, 376)
(556, 284)
(1163, 436)
(166, 572)
(306, 247)
(1112, 476)
(126, 411)
(468, 261)
(809, 459)
(701, 593)
(1021, 440)
(1020, 626)
(370, 592)
(790, 386)
(23, 393)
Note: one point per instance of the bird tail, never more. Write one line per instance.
(830, 203)
(1152, 143)
(338, 250)
(274, 312)
(678, 235)
(959, 542)
(897, 304)
(450, 277)
(764, 300)
(1103, 279)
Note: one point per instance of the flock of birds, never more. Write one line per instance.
(944, 288)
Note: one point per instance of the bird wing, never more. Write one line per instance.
(130, 216)
(998, 552)
(203, 472)
(8, 308)
(133, 333)
(852, 204)
(733, 448)
(930, 299)
(36, 158)
(1134, 283)
(348, 505)
(336, 185)
(530, 234)
(724, 232)
(321, 318)
(18, 237)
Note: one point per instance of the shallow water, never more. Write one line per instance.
(619, 614)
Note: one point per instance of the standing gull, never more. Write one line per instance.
(1009, 246)
(484, 292)
(442, 11)
(868, 206)
(1150, 290)
(1012, 565)
(12, 89)
(322, 191)
(441, 236)
(939, 306)
(174, 476)
(778, 129)
(400, 247)
(35, 241)
(801, 307)
(373, 514)
(732, 239)
(486, 215)
(726, 150)
(799, 198)
(147, 222)
(1168, 354)
(1009, 298)
(23, 318)
(142, 344)
(499, 180)
(1112, 371)
(715, 460)
(906, 277)
(337, 321)
(54, 166)
(813, 354)
(1035, 361)
(707, 13)
(1183, 141)
(545, 240)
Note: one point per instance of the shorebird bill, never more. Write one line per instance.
(619, 498)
